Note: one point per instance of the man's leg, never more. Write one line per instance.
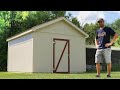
(98, 68)
(98, 60)
(107, 55)
(108, 68)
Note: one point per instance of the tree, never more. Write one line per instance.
(76, 22)
(56, 14)
(117, 43)
(9, 25)
(69, 16)
(90, 29)
(35, 18)
(116, 26)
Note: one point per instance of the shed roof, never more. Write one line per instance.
(46, 24)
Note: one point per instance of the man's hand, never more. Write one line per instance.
(108, 44)
(96, 43)
(113, 40)
(97, 46)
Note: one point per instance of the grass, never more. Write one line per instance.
(86, 75)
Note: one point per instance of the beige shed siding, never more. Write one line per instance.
(43, 47)
(42, 52)
(61, 27)
(77, 52)
(20, 54)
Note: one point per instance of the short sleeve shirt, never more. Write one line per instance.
(103, 36)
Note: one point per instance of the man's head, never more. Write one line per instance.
(101, 22)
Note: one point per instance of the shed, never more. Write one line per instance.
(55, 46)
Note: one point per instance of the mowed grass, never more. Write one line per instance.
(86, 75)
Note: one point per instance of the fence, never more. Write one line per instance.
(90, 59)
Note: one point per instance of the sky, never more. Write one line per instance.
(93, 16)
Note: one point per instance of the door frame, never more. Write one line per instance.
(67, 43)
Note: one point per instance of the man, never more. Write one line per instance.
(103, 45)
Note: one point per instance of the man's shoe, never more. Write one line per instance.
(97, 75)
(108, 75)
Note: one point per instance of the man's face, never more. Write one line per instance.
(101, 23)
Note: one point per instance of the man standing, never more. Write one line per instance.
(103, 45)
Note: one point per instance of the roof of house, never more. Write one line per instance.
(46, 24)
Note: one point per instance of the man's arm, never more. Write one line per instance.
(112, 41)
(96, 43)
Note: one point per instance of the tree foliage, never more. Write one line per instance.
(90, 29)
(76, 22)
(116, 26)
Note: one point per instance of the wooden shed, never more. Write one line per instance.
(55, 46)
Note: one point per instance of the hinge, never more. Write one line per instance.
(54, 42)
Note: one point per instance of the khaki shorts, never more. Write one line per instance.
(103, 54)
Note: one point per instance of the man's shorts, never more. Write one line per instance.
(103, 54)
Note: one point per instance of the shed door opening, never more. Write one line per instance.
(61, 55)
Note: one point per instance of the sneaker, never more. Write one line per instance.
(97, 75)
(108, 76)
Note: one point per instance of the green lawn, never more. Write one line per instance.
(88, 75)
